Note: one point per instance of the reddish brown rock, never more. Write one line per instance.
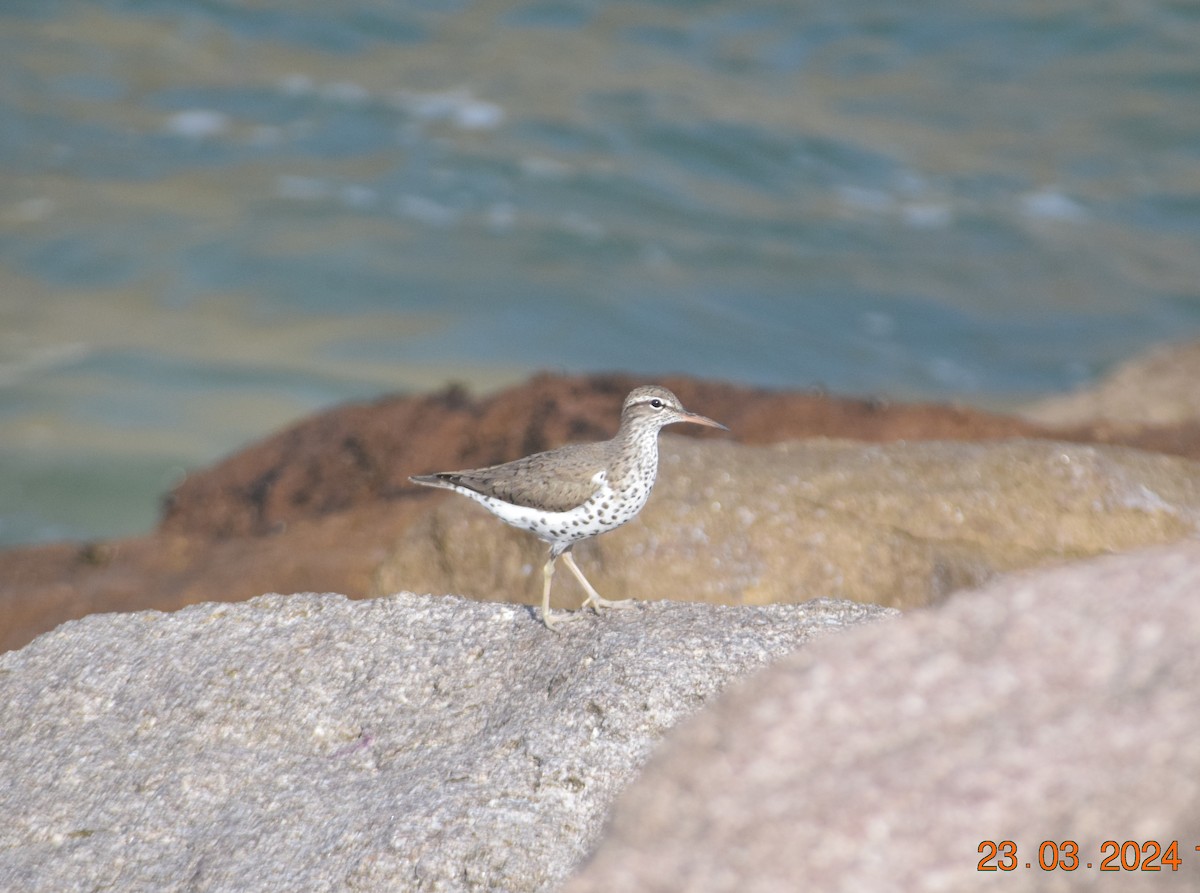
(364, 452)
(317, 506)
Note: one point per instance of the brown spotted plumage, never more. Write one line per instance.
(579, 491)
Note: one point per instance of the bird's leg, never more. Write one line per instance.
(593, 597)
(549, 618)
(547, 577)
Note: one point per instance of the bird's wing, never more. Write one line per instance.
(557, 481)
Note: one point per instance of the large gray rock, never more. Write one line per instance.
(314, 743)
(1062, 705)
(901, 524)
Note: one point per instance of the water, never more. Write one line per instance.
(217, 217)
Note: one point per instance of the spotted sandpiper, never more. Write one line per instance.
(577, 491)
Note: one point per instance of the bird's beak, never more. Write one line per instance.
(697, 419)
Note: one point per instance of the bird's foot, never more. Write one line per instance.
(551, 619)
(595, 602)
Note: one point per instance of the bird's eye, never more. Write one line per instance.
(656, 403)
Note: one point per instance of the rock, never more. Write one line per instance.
(43, 586)
(1154, 389)
(895, 524)
(314, 743)
(320, 505)
(359, 453)
(1057, 706)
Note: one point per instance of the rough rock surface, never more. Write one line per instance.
(314, 743)
(895, 524)
(1051, 706)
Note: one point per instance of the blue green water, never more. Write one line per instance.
(217, 217)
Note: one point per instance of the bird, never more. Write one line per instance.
(569, 494)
